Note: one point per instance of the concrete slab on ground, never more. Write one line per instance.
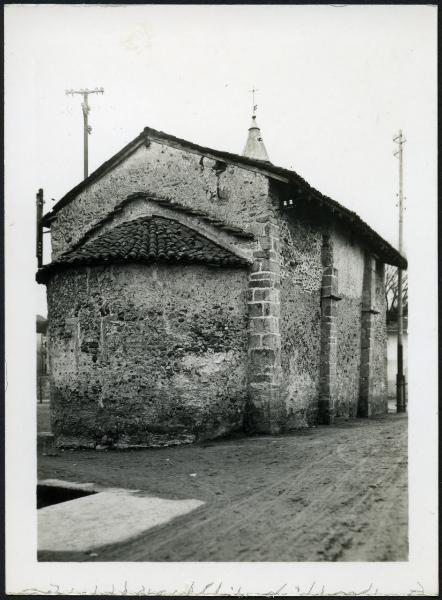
(107, 517)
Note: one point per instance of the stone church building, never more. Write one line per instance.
(193, 293)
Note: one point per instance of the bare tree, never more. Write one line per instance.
(391, 292)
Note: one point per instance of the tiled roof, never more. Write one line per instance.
(145, 240)
(387, 252)
(172, 205)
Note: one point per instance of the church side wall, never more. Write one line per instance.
(237, 195)
(348, 260)
(300, 323)
(148, 355)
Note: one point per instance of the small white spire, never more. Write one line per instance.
(254, 147)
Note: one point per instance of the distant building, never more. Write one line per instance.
(193, 292)
(42, 359)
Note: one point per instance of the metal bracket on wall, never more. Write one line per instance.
(332, 297)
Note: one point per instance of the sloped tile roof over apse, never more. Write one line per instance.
(145, 240)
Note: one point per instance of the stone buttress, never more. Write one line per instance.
(265, 412)
(372, 387)
(328, 363)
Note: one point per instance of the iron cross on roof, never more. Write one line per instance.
(254, 106)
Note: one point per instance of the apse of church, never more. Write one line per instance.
(193, 293)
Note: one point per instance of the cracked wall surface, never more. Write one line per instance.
(147, 355)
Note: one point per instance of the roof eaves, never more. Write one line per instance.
(373, 239)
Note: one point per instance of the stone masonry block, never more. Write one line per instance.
(271, 340)
(257, 228)
(329, 309)
(255, 340)
(271, 309)
(263, 378)
(263, 275)
(255, 309)
(262, 254)
(271, 230)
(330, 319)
(265, 243)
(270, 295)
(327, 274)
(262, 360)
(261, 283)
(264, 325)
(269, 265)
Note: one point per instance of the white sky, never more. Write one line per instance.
(335, 85)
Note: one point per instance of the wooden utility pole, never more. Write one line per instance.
(400, 377)
(39, 236)
(87, 130)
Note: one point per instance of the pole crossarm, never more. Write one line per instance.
(85, 91)
(87, 129)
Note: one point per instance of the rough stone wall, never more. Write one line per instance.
(236, 195)
(301, 280)
(147, 355)
(348, 260)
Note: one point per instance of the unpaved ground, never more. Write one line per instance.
(327, 494)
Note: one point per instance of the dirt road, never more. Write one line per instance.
(326, 494)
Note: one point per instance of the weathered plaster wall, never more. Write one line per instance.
(348, 259)
(236, 195)
(301, 280)
(147, 355)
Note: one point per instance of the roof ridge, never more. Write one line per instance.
(289, 176)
